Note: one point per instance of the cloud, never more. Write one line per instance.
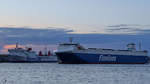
(128, 29)
(120, 25)
(39, 37)
(30, 35)
(128, 25)
(54, 36)
(9, 46)
(119, 29)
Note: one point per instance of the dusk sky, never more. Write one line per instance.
(83, 16)
(52, 21)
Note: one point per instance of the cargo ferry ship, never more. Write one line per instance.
(74, 53)
(26, 55)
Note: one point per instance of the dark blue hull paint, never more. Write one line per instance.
(83, 58)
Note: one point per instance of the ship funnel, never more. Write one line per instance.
(49, 53)
(40, 53)
(131, 47)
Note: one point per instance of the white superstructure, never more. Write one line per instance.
(77, 48)
(29, 55)
(22, 53)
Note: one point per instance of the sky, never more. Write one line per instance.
(94, 23)
(82, 16)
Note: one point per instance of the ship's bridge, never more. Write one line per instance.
(65, 47)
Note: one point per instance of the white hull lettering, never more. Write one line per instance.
(107, 58)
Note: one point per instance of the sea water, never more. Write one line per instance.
(53, 73)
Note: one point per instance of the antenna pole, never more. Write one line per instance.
(71, 39)
(140, 46)
(17, 45)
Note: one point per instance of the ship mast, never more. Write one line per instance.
(140, 48)
(17, 45)
(71, 39)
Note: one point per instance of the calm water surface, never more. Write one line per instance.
(53, 73)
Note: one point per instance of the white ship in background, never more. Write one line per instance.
(27, 55)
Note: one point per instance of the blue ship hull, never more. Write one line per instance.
(83, 58)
